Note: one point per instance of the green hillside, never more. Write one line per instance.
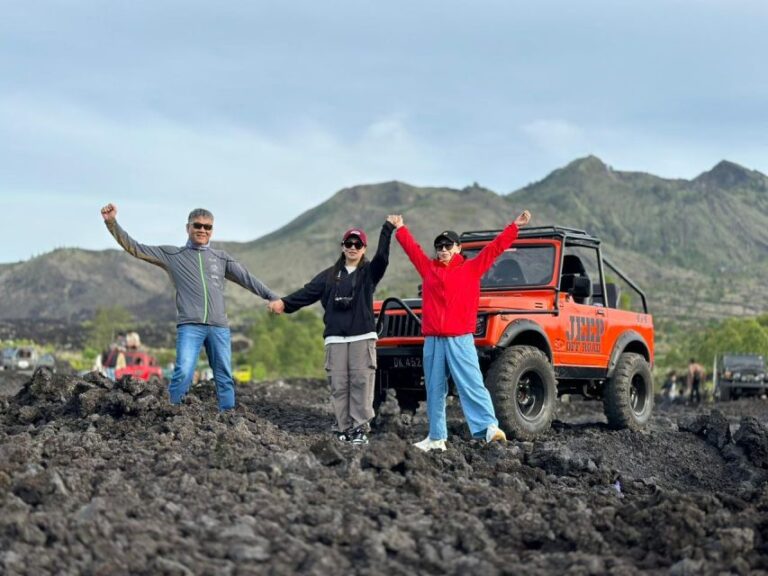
(699, 247)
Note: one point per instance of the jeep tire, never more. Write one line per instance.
(725, 393)
(628, 395)
(524, 391)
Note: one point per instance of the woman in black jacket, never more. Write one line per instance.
(345, 291)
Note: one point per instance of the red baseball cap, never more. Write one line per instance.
(356, 232)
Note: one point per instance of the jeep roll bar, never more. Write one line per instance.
(532, 232)
(626, 279)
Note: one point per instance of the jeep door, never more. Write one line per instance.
(583, 325)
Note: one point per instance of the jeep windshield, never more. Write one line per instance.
(734, 363)
(518, 267)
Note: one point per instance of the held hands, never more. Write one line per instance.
(109, 212)
(276, 306)
(523, 219)
(396, 220)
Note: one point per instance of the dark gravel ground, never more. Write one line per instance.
(102, 478)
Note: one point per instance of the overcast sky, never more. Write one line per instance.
(261, 110)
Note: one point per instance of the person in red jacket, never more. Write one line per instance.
(450, 296)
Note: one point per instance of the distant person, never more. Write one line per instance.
(694, 380)
(669, 389)
(450, 298)
(98, 365)
(198, 273)
(345, 291)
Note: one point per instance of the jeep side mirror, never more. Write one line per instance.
(582, 287)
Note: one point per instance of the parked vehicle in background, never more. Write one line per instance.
(47, 360)
(738, 375)
(25, 359)
(135, 363)
(6, 358)
(549, 324)
(243, 374)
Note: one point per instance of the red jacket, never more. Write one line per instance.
(450, 292)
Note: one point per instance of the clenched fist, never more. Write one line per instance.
(523, 219)
(109, 212)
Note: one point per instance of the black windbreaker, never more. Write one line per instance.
(358, 318)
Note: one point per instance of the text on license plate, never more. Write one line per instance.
(407, 362)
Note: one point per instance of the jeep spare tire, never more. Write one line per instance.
(628, 396)
(524, 391)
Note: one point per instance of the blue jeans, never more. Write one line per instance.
(218, 347)
(458, 355)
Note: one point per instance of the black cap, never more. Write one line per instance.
(449, 235)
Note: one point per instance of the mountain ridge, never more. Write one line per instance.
(699, 247)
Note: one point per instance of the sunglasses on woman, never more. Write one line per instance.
(356, 244)
(444, 246)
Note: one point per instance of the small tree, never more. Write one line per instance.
(286, 346)
(106, 324)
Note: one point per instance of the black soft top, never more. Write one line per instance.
(570, 235)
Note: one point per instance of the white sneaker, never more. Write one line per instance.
(495, 434)
(428, 444)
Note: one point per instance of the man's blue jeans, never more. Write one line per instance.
(457, 354)
(218, 346)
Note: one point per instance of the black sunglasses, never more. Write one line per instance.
(199, 225)
(444, 245)
(353, 244)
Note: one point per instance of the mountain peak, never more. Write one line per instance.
(580, 170)
(726, 174)
(589, 163)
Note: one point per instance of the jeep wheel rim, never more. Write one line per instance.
(530, 395)
(637, 394)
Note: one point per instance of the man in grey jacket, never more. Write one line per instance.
(198, 273)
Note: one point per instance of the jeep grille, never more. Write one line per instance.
(404, 326)
(400, 326)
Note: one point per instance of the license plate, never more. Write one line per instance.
(407, 362)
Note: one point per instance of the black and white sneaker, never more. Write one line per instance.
(357, 435)
(342, 436)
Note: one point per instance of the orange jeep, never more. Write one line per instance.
(548, 324)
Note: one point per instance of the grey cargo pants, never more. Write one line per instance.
(351, 368)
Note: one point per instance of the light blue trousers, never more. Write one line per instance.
(218, 347)
(455, 355)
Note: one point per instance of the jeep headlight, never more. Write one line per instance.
(481, 325)
(737, 375)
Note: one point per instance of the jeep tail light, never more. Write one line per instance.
(481, 325)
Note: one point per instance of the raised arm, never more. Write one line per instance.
(157, 255)
(380, 261)
(486, 257)
(412, 249)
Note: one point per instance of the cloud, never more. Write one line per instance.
(555, 136)
(156, 168)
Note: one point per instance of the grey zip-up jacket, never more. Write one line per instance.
(198, 274)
